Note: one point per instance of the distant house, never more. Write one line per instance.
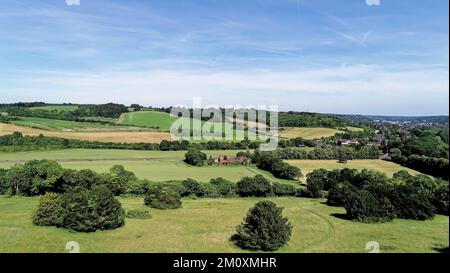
(348, 142)
(229, 160)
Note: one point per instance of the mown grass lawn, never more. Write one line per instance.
(389, 168)
(205, 225)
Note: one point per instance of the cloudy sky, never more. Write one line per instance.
(332, 56)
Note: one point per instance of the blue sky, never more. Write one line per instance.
(335, 56)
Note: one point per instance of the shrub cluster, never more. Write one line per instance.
(83, 210)
(370, 196)
(163, 198)
(38, 177)
(276, 166)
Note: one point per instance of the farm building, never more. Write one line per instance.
(229, 160)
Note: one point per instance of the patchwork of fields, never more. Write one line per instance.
(206, 225)
(104, 136)
(152, 165)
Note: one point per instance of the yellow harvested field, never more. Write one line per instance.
(308, 133)
(118, 137)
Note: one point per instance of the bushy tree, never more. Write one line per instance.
(264, 228)
(315, 183)
(195, 157)
(193, 187)
(440, 198)
(118, 179)
(411, 203)
(50, 211)
(337, 196)
(363, 206)
(89, 210)
(254, 186)
(163, 198)
(223, 186)
(283, 189)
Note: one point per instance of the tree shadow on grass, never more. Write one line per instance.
(342, 216)
(441, 249)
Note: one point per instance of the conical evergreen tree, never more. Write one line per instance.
(264, 228)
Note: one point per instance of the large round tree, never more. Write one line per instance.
(264, 228)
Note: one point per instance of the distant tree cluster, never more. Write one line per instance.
(301, 119)
(369, 196)
(437, 167)
(276, 166)
(109, 110)
(38, 177)
(329, 153)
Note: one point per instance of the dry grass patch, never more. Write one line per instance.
(118, 137)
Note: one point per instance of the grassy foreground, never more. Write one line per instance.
(205, 225)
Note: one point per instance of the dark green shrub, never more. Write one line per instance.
(338, 194)
(138, 214)
(411, 203)
(264, 228)
(363, 206)
(224, 187)
(192, 187)
(118, 179)
(3, 186)
(176, 186)
(50, 211)
(279, 189)
(210, 191)
(138, 187)
(256, 186)
(163, 198)
(440, 198)
(85, 179)
(89, 210)
(195, 157)
(315, 183)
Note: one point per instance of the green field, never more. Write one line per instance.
(67, 126)
(389, 168)
(205, 225)
(149, 119)
(163, 121)
(152, 165)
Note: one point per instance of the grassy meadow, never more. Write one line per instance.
(389, 168)
(205, 225)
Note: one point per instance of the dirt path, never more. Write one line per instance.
(120, 119)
